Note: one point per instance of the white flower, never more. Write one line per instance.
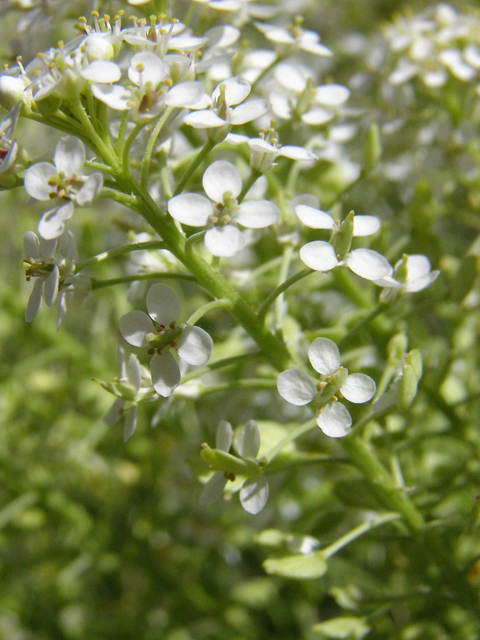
(160, 37)
(254, 490)
(296, 386)
(48, 262)
(63, 183)
(8, 146)
(294, 38)
(152, 90)
(130, 391)
(160, 333)
(222, 183)
(228, 108)
(324, 256)
(412, 272)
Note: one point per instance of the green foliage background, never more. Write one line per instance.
(103, 540)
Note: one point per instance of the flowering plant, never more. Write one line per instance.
(288, 201)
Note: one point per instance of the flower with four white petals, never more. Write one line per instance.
(297, 387)
(228, 108)
(64, 184)
(222, 183)
(160, 333)
(48, 261)
(294, 37)
(254, 490)
(412, 273)
(320, 255)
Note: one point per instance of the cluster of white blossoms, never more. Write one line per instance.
(159, 332)
(435, 45)
(297, 387)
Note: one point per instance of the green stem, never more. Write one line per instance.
(196, 162)
(221, 364)
(101, 284)
(120, 251)
(206, 308)
(282, 277)
(264, 71)
(98, 166)
(262, 311)
(151, 146)
(122, 130)
(290, 437)
(357, 532)
(249, 182)
(250, 383)
(94, 138)
(380, 308)
(122, 198)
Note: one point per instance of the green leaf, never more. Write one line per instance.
(347, 628)
(299, 567)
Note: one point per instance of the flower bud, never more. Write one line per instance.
(11, 90)
(98, 48)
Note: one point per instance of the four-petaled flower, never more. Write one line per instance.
(222, 183)
(296, 386)
(412, 273)
(254, 490)
(63, 184)
(160, 333)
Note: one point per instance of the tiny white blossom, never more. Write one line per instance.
(296, 387)
(159, 331)
(412, 273)
(222, 184)
(294, 38)
(62, 183)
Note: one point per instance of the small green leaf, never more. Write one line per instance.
(299, 567)
(222, 461)
(408, 387)
(347, 628)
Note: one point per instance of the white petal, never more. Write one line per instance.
(292, 77)
(47, 248)
(296, 153)
(219, 177)
(115, 412)
(224, 242)
(331, 95)
(90, 189)
(31, 245)
(102, 71)
(213, 489)
(134, 373)
(70, 155)
(274, 33)
(368, 264)
(421, 283)
(34, 301)
(257, 214)
(185, 94)
(250, 110)
(324, 356)
(36, 180)
(130, 423)
(134, 326)
(417, 266)
(236, 90)
(191, 209)
(358, 388)
(334, 420)
(296, 387)
(50, 288)
(115, 96)
(365, 225)
(317, 116)
(314, 218)
(163, 304)
(203, 119)
(318, 255)
(52, 223)
(254, 494)
(195, 346)
(222, 36)
(317, 49)
(146, 67)
(248, 441)
(67, 246)
(165, 373)
(223, 436)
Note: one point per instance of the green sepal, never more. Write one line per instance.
(327, 392)
(343, 238)
(414, 357)
(408, 387)
(49, 106)
(223, 461)
(396, 348)
(308, 566)
(373, 148)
